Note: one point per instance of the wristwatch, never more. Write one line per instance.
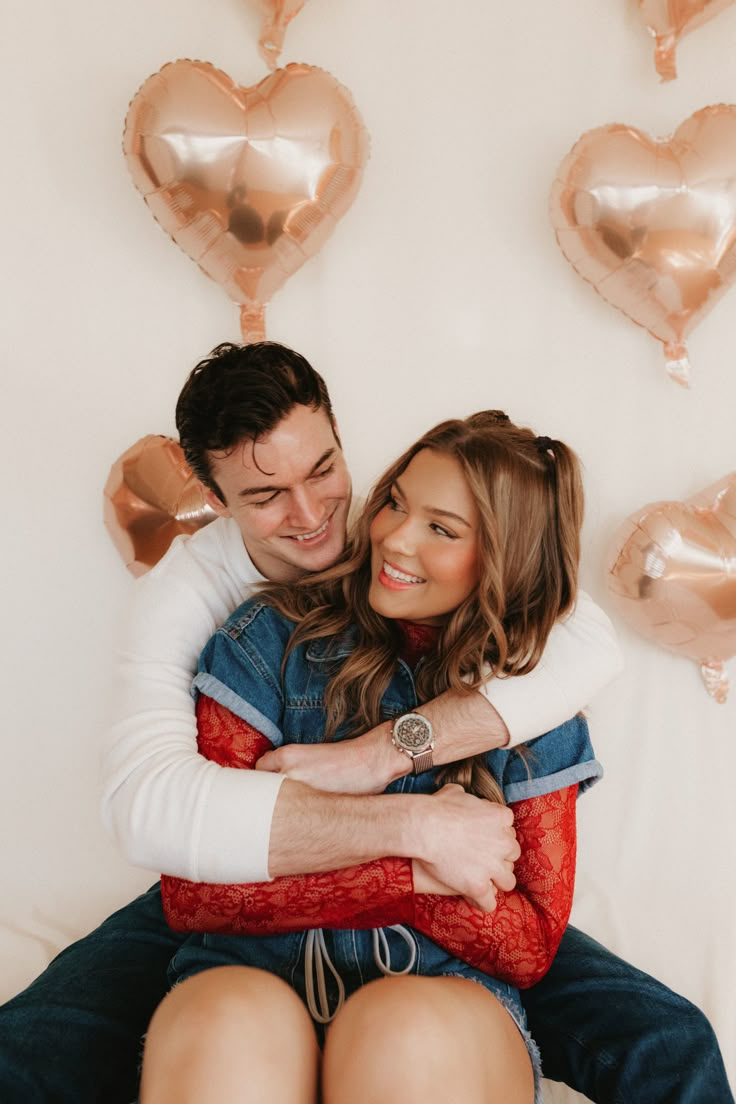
(412, 734)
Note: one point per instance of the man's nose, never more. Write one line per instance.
(306, 508)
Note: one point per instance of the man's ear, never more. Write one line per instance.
(214, 502)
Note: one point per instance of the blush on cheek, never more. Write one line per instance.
(378, 526)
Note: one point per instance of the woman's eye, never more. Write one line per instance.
(392, 503)
(442, 531)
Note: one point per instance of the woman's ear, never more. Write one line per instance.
(214, 502)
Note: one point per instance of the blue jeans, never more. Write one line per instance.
(618, 1036)
(608, 1030)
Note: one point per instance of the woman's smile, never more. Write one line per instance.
(392, 577)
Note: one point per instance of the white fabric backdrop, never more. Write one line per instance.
(442, 291)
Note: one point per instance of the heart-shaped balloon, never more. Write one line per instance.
(277, 14)
(150, 497)
(672, 576)
(651, 224)
(249, 182)
(669, 20)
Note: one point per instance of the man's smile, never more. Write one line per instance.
(313, 536)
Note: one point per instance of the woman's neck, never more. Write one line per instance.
(416, 640)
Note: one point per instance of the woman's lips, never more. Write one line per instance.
(393, 578)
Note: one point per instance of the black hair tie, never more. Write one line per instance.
(544, 444)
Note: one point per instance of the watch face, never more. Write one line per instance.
(413, 732)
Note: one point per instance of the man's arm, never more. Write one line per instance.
(172, 810)
(167, 806)
(462, 842)
(582, 655)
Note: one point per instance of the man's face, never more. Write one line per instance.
(289, 492)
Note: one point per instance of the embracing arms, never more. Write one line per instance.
(461, 841)
(516, 941)
(173, 810)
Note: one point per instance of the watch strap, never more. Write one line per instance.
(423, 761)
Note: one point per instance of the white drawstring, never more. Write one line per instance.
(381, 942)
(316, 956)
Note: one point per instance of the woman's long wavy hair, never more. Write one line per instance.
(529, 496)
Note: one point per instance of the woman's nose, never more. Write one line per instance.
(401, 538)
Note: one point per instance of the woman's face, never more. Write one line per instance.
(424, 542)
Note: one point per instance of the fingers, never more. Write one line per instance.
(269, 762)
(504, 878)
(486, 901)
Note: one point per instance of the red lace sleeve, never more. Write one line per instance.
(518, 941)
(334, 899)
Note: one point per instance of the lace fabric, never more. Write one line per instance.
(293, 903)
(515, 943)
(519, 939)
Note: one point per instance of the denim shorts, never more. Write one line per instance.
(325, 966)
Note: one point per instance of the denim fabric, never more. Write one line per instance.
(350, 951)
(240, 667)
(74, 1035)
(620, 1037)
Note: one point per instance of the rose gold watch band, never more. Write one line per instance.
(423, 761)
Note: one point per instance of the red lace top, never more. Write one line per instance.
(516, 942)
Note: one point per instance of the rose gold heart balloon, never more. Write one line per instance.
(672, 575)
(277, 14)
(669, 20)
(250, 182)
(151, 496)
(652, 224)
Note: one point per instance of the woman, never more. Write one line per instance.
(465, 556)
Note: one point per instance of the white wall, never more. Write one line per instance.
(441, 292)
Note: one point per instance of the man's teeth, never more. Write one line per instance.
(400, 576)
(316, 533)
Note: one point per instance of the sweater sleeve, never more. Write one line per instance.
(168, 807)
(581, 657)
(292, 903)
(518, 941)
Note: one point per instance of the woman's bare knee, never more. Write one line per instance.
(225, 1028)
(425, 1039)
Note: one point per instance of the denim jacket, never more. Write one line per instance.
(240, 668)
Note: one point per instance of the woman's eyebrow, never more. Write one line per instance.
(447, 514)
(434, 510)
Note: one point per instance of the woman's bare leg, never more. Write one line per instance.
(417, 1040)
(230, 1034)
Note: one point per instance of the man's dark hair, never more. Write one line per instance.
(238, 393)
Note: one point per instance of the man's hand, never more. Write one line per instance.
(364, 765)
(470, 847)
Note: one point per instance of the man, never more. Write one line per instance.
(257, 428)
